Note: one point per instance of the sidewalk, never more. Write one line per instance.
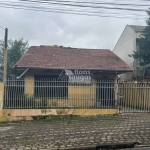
(76, 132)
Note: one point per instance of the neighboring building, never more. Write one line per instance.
(126, 45)
(51, 62)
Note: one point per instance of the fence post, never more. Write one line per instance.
(116, 92)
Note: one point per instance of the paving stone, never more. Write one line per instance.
(80, 132)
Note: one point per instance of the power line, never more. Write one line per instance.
(2, 27)
(88, 6)
(84, 2)
(35, 7)
(80, 6)
(69, 12)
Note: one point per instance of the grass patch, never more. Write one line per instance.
(3, 123)
(9, 122)
(65, 117)
(56, 117)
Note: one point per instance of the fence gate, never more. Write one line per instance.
(105, 93)
(134, 97)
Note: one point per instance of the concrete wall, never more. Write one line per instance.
(28, 114)
(126, 45)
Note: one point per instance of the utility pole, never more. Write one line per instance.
(5, 56)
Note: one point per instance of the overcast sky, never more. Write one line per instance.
(42, 28)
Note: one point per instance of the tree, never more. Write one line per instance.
(143, 45)
(16, 48)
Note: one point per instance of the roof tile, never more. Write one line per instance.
(48, 57)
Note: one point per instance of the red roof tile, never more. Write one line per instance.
(48, 57)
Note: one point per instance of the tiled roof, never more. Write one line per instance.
(137, 28)
(54, 57)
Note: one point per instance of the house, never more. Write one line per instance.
(126, 45)
(71, 76)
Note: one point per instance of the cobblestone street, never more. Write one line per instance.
(76, 132)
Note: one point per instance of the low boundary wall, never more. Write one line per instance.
(28, 114)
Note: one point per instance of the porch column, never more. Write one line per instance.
(1, 94)
(29, 84)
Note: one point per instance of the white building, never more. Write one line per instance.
(126, 45)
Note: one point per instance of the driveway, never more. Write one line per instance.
(77, 132)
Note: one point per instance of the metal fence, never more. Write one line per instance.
(54, 93)
(134, 97)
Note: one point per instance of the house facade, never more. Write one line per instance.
(126, 45)
(71, 76)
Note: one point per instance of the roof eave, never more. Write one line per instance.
(118, 70)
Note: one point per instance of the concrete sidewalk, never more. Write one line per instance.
(76, 132)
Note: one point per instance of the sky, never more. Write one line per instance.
(46, 28)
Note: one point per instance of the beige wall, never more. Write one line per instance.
(29, 84)
(77, 96)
